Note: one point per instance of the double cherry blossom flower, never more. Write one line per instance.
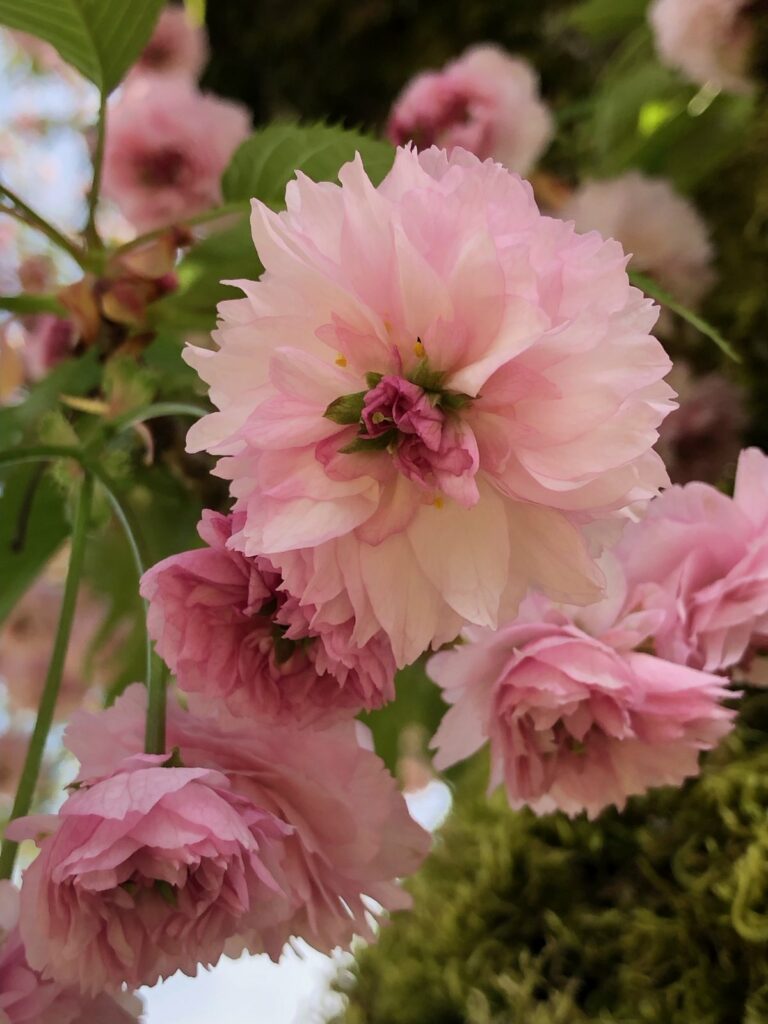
(434, 399)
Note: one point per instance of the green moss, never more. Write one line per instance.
(656, 915)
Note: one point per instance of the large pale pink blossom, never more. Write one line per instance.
(147, 870)
(230, 633)
(486, 101)
(167, 146)
(663, 231)
(177, 46)
(28, 998)
(701, 559)
(575, 722)
(710, 41)
(429, 395)
(350, 835)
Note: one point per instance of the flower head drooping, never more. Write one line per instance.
(231, 633)
(166, 149)
(710, 41)
(575, 722)
(663, 231)
(428, 395)
(147, 870)
(28, 998)
(486, 102)
(314, 807)
(700, 559)
(177, 46)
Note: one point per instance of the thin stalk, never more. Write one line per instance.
(201, 218)
(154, 736)
(31, 771)
(154, 411)
(21, 211)
(46, 452)
(91, 234)
(651, 288)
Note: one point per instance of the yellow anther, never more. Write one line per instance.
(418, 348)
(439, 501)
(341, 361)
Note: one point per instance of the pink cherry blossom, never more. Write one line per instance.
(486, 101)
(530, 350)
(28, 998)
(145, 871)
(167, 146)
(662, 230)
(575, 722)
(26, 640)
(700, 558)
(710, 41)
(48, 340)
(702, 438)
(231, 633)
(177, 46)
(350, 835)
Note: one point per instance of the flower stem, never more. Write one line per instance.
(91, 233)
(28, 216)
(34, 759)
(154, 736)
(227, 210)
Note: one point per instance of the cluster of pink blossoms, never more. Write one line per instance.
(585, 707)
(436, 409)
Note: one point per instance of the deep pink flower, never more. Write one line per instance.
(147, 870)
(710, 41)
(486, 102)
(575, 722)
(27, 998)
(701, 559)
(177, 46)
(350, 836)
(230, 633)
(167, 146)
(443, 289)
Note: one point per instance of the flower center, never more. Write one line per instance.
(414, 419)
(163, 167)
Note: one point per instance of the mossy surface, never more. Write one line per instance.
(658, 915)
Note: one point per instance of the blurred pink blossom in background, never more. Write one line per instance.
(486, 101)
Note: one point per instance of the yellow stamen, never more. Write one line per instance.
(439, 501)
(341, 361)
(418, 348)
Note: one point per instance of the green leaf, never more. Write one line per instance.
(268, 160)
(372, 379)
(347, 409)
(33, 526)
(101, 38)
(425, 377)
(605, 18)
(665, 299)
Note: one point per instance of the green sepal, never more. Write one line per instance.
(347, 409)
(370, 444)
